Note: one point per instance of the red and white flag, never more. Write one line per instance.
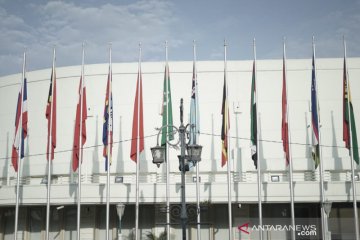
(81, 116)
(20, 134)
(138, 122)
(284, 122)
(51, 116)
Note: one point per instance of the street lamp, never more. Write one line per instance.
(158, 154)
(327, 208)
(120, 208)
(193, 156)
(194, 152)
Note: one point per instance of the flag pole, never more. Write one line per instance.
(20, 129)
(350, 151)
(167, 145)
(258, 146)
(323, 213)
(198, 219)
(80, 144)
(50, 147)
(228, 160)
(108, 147)
(293, 237)
(138, 148)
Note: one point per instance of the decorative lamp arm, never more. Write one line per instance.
(160, 131)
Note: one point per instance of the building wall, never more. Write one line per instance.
(210, 77)
(152, 220)
(213, 177)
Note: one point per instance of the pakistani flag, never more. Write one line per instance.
(167, 118)
(349, 137)
(253, 114)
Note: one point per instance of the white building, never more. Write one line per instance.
(213, 187)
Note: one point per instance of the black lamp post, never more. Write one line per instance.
(120, 207)
(194, 155)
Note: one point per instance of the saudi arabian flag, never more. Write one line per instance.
(253, 119)
(349, 128)
(167, 118)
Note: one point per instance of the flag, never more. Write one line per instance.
(225, 125)
(350, 139)
(194, 110)
(167, 118)
(314, 118)
(253, 115)
(81, 116)
(20, 136)
(51, 116)
(284, 122)
(108, 124)
(138, 121)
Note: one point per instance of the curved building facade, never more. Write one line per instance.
(213, 177)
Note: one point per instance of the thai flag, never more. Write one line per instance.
(20, 133)
(108, 124)
(314, 117)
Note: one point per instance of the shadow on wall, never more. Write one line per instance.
(143, 162)
(308, 146)
(261, 158)
(212, 148)
(95, 156)
(335, 153)
(25, 166)
(72, 176)
(6, 162)
(208, 186)
(212, 159)
(120, 156)
(238, 162)
(237, 145)
(26, 161)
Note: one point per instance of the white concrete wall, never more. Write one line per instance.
(210, 78)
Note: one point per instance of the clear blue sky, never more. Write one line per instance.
(39, 25)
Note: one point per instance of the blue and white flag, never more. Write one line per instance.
(194, 110)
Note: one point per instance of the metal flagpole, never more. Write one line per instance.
(19, 150)
(228, 147)
(198, 220)
(167, 145)
(258, 147)
(350, 150)
(323, 214)
(80, 145)
(138, 148)
(49, 148)
(108, 148)
(293, 237)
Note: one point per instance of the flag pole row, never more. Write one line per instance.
(137, 141)
(349, 137)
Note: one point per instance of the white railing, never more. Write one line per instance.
(175, 177)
